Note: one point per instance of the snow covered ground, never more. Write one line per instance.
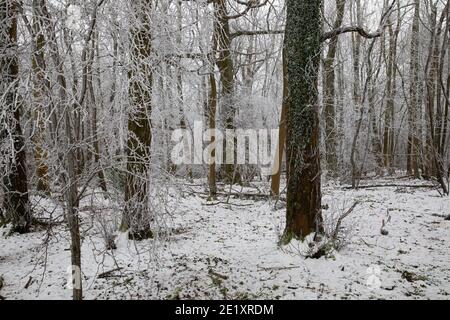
(229, 251)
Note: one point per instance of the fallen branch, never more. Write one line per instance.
(108, 274)
(239, 195)
(377, 186)
(212, 204)
(279, 268)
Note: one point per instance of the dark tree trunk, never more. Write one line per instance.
(212, 106)
(227, 79)
(303, 48)
(16, 204)
(136, 217)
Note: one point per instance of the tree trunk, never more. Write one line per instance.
(436, 161)
(377, 146)
(16, 204)
(389, 125)
(94, 120)
(276, 177)
(68, 178)
(329, 94)
(356, 55)
(226, 68)
(39, 95)
(136, 216)
(212, 105)
(413, 135)
(303, 48)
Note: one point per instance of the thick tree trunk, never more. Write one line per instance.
(136, 217)
(212, 105)
(303, 48)
(227, 79)
(16, 204)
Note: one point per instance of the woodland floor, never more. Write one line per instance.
(230, 251)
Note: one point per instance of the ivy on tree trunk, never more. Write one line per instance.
(303, 49)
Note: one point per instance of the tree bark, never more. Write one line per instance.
(16, 204)
(329, 94)
(136, 217)
(227, 79)
(303, 48)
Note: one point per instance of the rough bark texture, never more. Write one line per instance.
(136, 217)
(303, 48)
(16, 203)
(227, 79)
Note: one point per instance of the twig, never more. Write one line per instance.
(228, 203)
(29, 282)
(279, 268)
(341, 219)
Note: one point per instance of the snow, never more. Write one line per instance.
(230, 251)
